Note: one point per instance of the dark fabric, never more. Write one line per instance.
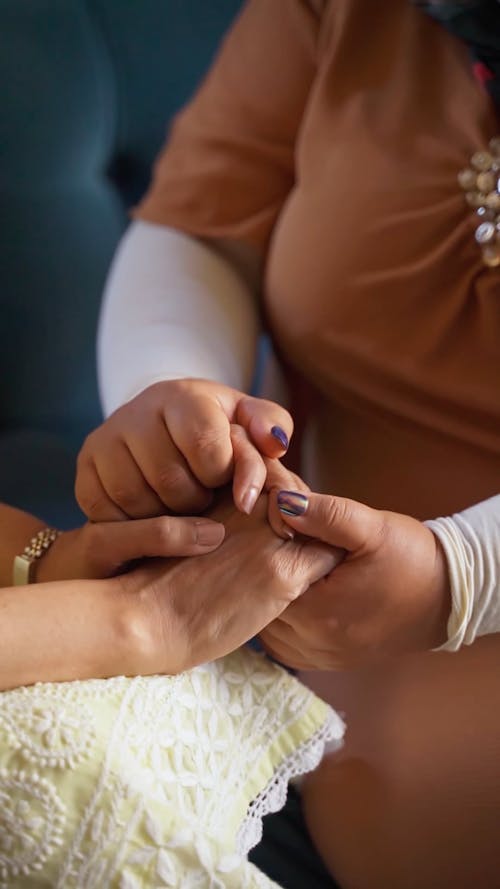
(286, 853)
(477, 23)
(37, 472)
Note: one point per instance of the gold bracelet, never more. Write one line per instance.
(23, 567)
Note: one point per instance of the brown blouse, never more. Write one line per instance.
(329, 135)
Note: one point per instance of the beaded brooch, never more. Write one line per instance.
(481, 184)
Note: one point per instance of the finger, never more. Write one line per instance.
(124, 483)
(90, 494)
(268, 425)
(312, 561)
(335, 520)
(281, 647)
(165, 469)
(249, 470)
(291, 651)
(201, 432)
(116, 543)
(280, 478)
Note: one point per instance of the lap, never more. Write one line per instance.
(150, 781)
(413, 798)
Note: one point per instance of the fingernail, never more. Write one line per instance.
(292, 503)
(280, 435)
(209, 533)
(249, 499)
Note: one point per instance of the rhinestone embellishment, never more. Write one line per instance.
(481, 185)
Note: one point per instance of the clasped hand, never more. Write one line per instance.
(388, 595)
(179, 439)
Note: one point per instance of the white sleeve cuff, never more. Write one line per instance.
(471, 542)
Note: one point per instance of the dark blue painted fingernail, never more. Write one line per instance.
(292, 503)
(280, 435)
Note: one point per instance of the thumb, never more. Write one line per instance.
(268, 425)
(334, 520)
(116, 543)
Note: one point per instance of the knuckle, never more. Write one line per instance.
(165, 532)
(127, 497)
(173, 387)
(92, 506)
(85, 471)
(86, 448)
(383, 529)
(283, 569)
(241, 442)
(208, 441)
(336, 510)
(171, 478)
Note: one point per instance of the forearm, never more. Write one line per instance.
(173, 307)
(16, 530)
(471, 542)
(70, 630)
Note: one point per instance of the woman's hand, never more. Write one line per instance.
(161, 617)
(106, 548)
(388, 595)
(172, 444)
(198, 609)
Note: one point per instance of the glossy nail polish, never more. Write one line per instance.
(292, 503)
(280, 435)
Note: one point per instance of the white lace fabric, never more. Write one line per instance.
(153, 781)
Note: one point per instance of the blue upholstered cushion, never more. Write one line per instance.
(88, 89)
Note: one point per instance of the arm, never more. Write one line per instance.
(179, 323)
(178, 317)
(173, 308)
(61, 631)
(226, 171)
(401, 585)
(82, 628)
(164, 617)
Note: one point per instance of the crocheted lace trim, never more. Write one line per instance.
(272, 798)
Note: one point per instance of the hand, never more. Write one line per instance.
(389, 594)
(173, 443)
(198, 609)
(104, 549)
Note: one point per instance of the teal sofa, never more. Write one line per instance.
(87, 91)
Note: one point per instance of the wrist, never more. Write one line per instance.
(441, 598)
(151, 626)
(17, 528)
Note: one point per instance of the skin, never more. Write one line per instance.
(165, 616)
(178, 440)
(389, 594)
(171, 445)
(103, 549)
